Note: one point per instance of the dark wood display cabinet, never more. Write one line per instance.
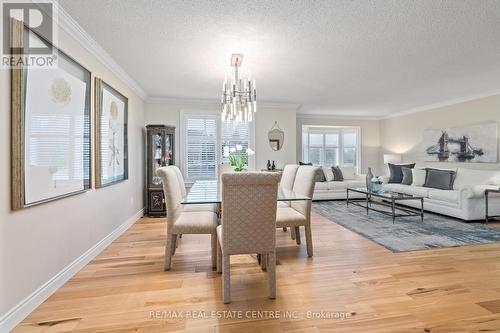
(160, 151)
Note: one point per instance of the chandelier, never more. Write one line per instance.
(239, 97)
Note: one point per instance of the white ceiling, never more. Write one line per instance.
(338, 57)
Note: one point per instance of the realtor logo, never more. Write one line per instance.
(36, 50)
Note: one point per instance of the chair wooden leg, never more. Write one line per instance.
(309, 242)
(219, 258)
(174, 243)
(292, 233)
(214, 249)
(226, 278)
(263, 261)
(271, 274)
(297, 235)
(168, 252)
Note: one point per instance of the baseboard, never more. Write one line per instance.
(27, 305)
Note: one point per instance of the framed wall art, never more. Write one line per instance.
(111, 155)
(50, 127)
(472, 144)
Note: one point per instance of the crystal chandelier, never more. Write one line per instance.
(239, 97)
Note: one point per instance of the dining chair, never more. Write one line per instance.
(287, 180)
(248, 224)
(184, 222)
(192, 207)
(299, 213)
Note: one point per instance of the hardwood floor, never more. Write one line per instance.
(126, 290)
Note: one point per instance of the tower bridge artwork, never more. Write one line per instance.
(478, 143)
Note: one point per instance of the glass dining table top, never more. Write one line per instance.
(209, 191)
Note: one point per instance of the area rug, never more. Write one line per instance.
(408, 233)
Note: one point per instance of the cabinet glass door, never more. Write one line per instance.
(157, 154)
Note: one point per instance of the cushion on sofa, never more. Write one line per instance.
(348, 172)
(338, 176)
(440, 179)
(407, 176)
(445, 195)
(342, 186)
(418, 176)
(396, 172)
(411, 190)
(328, 172)
(470, 177)
(321, 186)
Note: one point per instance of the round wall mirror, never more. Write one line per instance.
(276, 137)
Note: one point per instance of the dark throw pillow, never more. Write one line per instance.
(337, 174)
(396, 173)
(439, 179)
(407, 176)
(320, 175)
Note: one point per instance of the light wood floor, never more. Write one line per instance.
(446, 290)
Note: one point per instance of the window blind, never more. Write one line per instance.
(201, 147)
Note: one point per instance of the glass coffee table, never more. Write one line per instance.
(387, 199)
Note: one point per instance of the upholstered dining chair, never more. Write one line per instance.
(248, 223)
(287, 180)
(192, 207)
(183, 222)
(299, 213)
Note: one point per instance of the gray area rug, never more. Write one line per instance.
(408, 233)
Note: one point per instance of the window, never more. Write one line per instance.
(331, 145)
(200, 153)
(232, 135)
(203, 140)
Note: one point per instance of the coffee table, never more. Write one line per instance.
(387, 199)
(486, 196)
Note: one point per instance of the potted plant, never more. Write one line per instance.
(238, 159)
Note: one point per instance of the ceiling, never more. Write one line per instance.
(369, 58)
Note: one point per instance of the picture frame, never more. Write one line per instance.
(50, 127)
(111, 135)
(474, 143)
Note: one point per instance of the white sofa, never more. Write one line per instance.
(466, 201)
(331, 190)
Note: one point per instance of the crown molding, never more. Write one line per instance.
(441, 104)
(337, 116)
(68, 24)
(216, 103)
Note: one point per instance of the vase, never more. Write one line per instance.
(376, 185)
(369, 177)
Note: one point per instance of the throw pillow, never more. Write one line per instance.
(320, 175)
(337, 174)
(418, 176)
(328, 172)
(440, 179)
(396, 173)
(407, 176)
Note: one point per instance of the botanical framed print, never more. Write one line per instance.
(111, 155)
(50, 128)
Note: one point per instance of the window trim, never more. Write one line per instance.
(340, 146)
(184, 114)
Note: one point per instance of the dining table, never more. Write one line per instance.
(209, 192)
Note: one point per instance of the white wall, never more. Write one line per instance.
(38, 242)
(168, 113)
(404, 134)
(370, 137)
